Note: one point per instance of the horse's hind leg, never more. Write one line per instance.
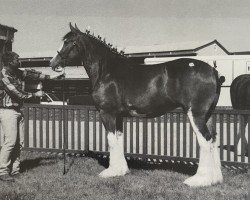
(117, 163)
(241, 140)
(209, 169)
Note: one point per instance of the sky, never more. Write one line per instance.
(41, 24)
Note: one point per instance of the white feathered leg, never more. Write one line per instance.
(117, 162)
(209, 168)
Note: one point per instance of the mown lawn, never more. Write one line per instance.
(42, 178)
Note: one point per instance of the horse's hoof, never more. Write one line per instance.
(111, 172)
(202, 180)
(198, 181)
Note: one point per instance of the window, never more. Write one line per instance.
(248, 67)
(215, 47)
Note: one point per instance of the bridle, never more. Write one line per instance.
(64, 58)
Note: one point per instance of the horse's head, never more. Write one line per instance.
(70, 50)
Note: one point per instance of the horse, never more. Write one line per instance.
(240, 99)
(121, 87)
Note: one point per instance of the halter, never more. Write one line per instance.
(64, 58)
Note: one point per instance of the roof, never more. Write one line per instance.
(172, 49)
(179, 46)
(73, 72)
(183, 46)
(8, 27)
(40, 54)
(159, 50)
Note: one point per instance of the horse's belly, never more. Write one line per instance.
(150, 110)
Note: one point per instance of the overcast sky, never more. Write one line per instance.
(42, 23)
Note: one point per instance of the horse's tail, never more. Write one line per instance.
(219, 81)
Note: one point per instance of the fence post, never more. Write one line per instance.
(125, 142)
(165, 135)
(86, 130)
(235, 137)
(72, 115)
(131, 135)
(228, 137)
(34, 126)
(94, 130)
(47, 127)
(137, 135)
(100, 133)
(242, 136)
(145, 136)
(79, 129)
(221, 116)
(159, 135)
(41, 127)
(184, 121)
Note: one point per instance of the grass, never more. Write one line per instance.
(42, 178)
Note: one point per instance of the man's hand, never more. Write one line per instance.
(58, 76)
(39, 94)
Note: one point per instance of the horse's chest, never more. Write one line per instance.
(107, 94)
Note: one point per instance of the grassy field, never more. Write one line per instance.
(42, 178)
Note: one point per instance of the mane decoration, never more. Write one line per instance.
(103, 41)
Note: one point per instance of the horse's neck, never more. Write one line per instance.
(94, 71)
(99, 63)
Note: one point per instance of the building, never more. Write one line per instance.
(76, 81)
(229, 64)
(6, 40)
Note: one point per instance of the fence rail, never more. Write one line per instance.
(169, 137)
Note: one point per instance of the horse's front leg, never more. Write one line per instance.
(117, 163)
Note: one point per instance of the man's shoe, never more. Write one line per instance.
(6, 177)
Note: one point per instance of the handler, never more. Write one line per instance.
(12, 97)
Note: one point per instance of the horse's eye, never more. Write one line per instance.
(74, 43)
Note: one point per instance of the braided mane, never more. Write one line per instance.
(98, 39)
(103, 41)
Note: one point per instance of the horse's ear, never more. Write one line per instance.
(76, 28)
(71, 27)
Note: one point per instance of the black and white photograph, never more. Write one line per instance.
(124, 99)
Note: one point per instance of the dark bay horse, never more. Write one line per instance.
(240, 98)
(120, 87)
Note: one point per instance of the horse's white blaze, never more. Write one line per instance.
(60, 48)
(117, 163)
(209, 169)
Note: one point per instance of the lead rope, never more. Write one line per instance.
(64, 123)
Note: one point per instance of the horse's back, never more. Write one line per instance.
(164, 86)
(240, 92)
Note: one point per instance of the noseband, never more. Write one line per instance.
(64, 58)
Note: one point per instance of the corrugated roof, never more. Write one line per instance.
(8, 27)
(35, 54)
(191, 46)
(74, 72)
(133, 49)
(177, 46)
